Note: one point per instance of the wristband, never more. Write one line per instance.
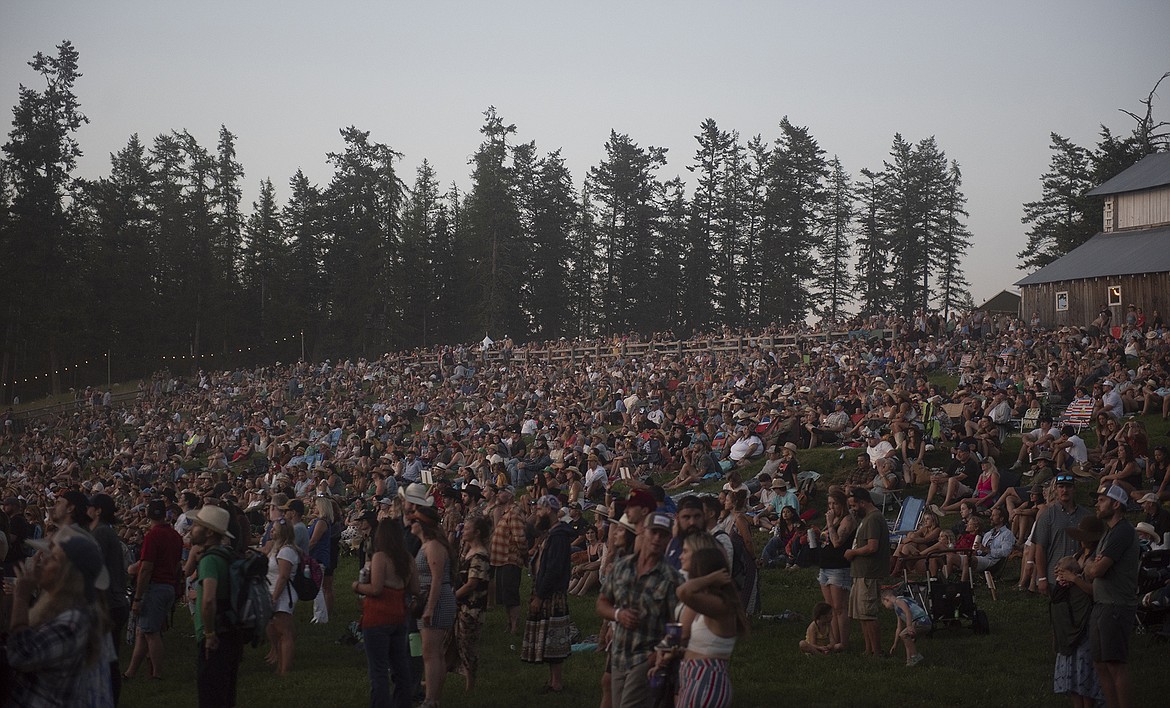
(617, 615)
(1041, 580)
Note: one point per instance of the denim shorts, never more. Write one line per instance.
(156, 604)
(837, 577)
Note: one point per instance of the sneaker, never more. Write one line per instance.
(1029, 472)
(1016, 466)
(914, 660)
(937, 510)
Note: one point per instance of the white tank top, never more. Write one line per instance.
(705, 642)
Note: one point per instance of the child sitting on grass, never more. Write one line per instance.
(816, 638)
(911, 618)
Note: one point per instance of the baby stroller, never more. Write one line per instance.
(950, 603)
(1154, 594)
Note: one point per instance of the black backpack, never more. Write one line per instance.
(249, 601)
(739, 559)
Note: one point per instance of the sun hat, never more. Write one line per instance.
(1089, 530)
(779, 483)
(1149, 498)
(626, 524)
(1147, 528)
(212, 517)
(416, 494)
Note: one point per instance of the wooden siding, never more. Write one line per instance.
(1139, 210)
(1149, 291)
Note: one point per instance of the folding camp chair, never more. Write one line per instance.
(908, 518)
(1079, 414)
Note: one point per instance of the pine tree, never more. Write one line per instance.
(834, 279)
(951, 285)
(792, 210)
(873, 272)
(265, 268)
(491, 222)
(625, 190)
(1062, 218)
(554, 211)
(303, 222)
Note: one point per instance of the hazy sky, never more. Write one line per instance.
(990, 80)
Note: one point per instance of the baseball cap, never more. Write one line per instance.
(642, 498)
(1149, 498)
(660, 522)
(1118, 494)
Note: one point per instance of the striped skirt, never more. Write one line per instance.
(704, 683)
(546, 633)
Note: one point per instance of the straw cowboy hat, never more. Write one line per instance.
(212, 517)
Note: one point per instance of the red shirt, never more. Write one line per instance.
(163, 546)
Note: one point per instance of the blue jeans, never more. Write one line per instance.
(387, 651)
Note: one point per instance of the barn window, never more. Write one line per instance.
(1062, 301)
(1114, 295)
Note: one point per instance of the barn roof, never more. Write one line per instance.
(1005, 301)
(1151, 171)
(1124, 253)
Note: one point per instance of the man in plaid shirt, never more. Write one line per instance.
(639, 596)
(506, 552)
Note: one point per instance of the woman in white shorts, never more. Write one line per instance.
(283, 558)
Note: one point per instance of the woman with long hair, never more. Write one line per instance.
(435, 577)
(735, 522)
(383, 585)
(715, 619)
(320, 549)
(59, 649)
(471, 596)
(283, 558)
(834, 577)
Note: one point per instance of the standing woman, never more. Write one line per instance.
(59, 650)
(834, 577)
(433, 563)
(735, 522)
(474, 573)
(383, 584)
(282, 559)
(320, 549)
(546, 633)
(716, 618)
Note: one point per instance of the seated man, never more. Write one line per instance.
(830, 427)
(746, 446)
(963, 470)
(992, 547)
(1035, 442)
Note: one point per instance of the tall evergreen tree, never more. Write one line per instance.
(1062, 218)
(554, 210)
(626, 189)
(951, 285)
(265, 269)
(492, 232)
(874, 282)
(303, 222)
(791, 212)
(363, 258)
(38, 291)
(715, 280)
(834, 279)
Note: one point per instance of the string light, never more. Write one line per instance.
(164, 357)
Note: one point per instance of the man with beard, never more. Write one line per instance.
(869, 563)
(219, 652)
(689, 519)
(1050, 535)
(1114, 572)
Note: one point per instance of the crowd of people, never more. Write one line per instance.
(451, 476)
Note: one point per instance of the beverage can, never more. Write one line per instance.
(812, 538)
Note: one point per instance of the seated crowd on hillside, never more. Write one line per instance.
(484, 465)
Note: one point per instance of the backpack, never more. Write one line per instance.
(306, 577)
(739, 558)
(249, 601)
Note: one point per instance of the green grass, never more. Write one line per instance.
(1011, 666)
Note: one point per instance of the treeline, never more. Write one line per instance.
(161, 257)
(1064, 218)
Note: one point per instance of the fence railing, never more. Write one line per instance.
(70, 405)
(599, 350)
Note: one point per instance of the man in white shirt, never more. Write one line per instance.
(1070, 449)
(746, 446)
(878, 448)
(1111, 401)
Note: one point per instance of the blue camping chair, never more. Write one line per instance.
(908, 518)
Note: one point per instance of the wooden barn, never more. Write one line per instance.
(1128, 262)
